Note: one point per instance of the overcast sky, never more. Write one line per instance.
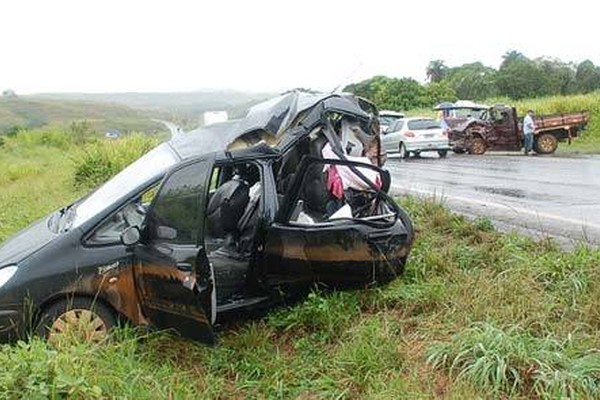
(260, 45)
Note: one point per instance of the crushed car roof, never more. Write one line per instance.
(269, 121)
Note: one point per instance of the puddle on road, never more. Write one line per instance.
(516, 193)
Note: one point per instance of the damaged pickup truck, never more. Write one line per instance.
(233, 217)
(477, 128)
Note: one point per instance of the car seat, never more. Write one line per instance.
(226, 207)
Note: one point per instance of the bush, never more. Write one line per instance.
(43, 137)
(101, 160)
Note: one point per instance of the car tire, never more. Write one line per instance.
(442, 153)
(458, 150)
(545, 143)
(79, 318)
(404, 154)
(477, 146)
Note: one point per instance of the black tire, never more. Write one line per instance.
(442, 153)
(402, 151)
(102, 318)
(546, 143)
(458, 150)
(477, 146)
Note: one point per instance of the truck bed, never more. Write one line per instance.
(561, 121)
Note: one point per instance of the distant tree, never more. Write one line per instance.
(559, 77)
(391, 93)
(512, 56)
(13, 130)
(587, 77)
(519, 77)
(473, 81)
(438, 92)
(436, 71)
(401, 94)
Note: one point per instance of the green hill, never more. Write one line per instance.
(185, 108)
(23, 112)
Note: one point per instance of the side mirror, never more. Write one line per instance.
(166, 232)
(130, 236)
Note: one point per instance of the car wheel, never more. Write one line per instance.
(477, 145)
(442, 153)
(402, 151)
(78, 318)
(546, 143)
(458, 150)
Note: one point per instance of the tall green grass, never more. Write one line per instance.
(100, 160)
(507, 360)
(43, 169)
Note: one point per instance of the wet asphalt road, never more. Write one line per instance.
(535, 195)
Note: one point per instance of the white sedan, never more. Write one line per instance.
(415, 135)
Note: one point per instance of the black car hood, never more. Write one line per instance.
(26, 242)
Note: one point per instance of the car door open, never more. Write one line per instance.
(173, 276)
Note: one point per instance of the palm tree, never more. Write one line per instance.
(511, 56)
(436, 70)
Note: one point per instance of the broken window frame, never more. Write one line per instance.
(293, 193)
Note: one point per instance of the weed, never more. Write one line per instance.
(511, 360)
(327, 316)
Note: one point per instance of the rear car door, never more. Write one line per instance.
(309, 243)
(172, 273)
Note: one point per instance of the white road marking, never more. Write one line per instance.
(517, 209)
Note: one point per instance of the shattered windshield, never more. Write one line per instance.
(137, 175)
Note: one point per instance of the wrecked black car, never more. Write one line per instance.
(231, 217)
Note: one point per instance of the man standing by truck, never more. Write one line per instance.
(528, 129)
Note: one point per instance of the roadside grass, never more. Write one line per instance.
(477, 314)
(35, 178)
(44, 169)
(98, 161)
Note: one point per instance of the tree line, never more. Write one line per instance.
(517, 77)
